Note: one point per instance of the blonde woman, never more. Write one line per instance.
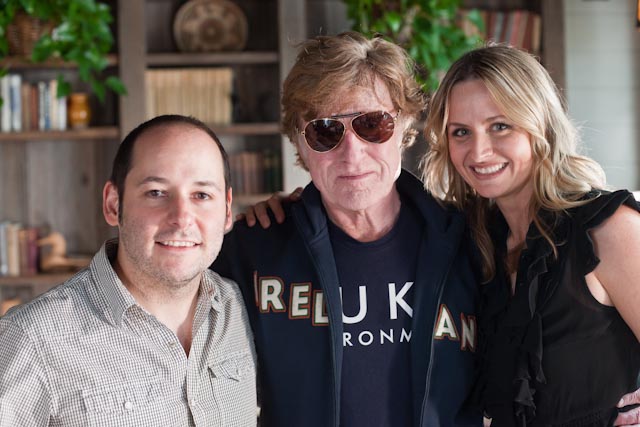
(559, 319)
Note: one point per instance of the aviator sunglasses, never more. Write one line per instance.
(323, 135)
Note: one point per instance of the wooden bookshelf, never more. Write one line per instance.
(88, 134)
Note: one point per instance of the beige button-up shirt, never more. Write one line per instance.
(86, 354)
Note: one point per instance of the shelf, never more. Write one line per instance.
(21, 62)
(219, 58)
(268, 128)
(98, 132)
(40, 280)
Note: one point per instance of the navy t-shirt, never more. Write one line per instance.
(376, 284)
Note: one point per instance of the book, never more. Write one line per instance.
(515, 28)
(25, 91)
(62, 113)
(507, 29)
(5, 109)
(204, 93)
(13, 249)
(4, 261)
(15, 85)
(28, 251)
(53, 104)
(536, 34)
(42, 105)
(34, 106)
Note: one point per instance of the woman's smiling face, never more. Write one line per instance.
(488, 150)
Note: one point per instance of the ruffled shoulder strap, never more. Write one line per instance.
(591, 215)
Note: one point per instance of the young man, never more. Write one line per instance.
(146, 335)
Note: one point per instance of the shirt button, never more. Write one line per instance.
(193, 403)
(128, 406)
(172, 344)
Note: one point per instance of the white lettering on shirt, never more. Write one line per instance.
(396, 300)
(362, 296)
(270, 291)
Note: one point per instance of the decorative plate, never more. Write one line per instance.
(210, 26)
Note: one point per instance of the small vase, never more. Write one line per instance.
(79, 111)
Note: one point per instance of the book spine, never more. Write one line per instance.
(34, 106)
(26, 113)
(32, 251)
(23, 252)
(4, 262)
(13, 250)
(15, 82)
(53, 105)
(62, 113)
(47, 107)
(5, 110)
(41, 105)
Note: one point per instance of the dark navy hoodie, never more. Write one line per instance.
(288, 279)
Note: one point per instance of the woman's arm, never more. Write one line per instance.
(617, 244)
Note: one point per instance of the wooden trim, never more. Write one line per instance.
(247, 129)
(91, 133)
(132, 44)
(221, 58)
(553, 54)
(21, 62)
(37, 280)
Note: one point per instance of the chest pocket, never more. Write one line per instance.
(233, 382)
(141, 404)
(237, 367)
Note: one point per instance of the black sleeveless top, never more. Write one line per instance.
(551, 354)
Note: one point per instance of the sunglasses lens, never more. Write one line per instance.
(323, 134)
(376, 127)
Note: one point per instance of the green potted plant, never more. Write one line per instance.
(79, 34)
(428, 29)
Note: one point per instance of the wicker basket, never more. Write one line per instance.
(24, 32)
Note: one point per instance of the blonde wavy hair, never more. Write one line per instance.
(328, 67)
(527, 96)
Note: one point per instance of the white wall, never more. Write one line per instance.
(602, 49)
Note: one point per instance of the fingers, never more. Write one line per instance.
(249, 216)
(631, 417)
(260, 211)
(296, 194)
(275, 204)
(632, 398)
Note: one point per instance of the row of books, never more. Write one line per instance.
(18, 250)
(204, 93)
(519, 28)
(31, 106)
(255, 172)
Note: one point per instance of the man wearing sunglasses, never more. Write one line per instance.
(362, 299)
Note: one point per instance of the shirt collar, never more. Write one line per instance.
(118, 299)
